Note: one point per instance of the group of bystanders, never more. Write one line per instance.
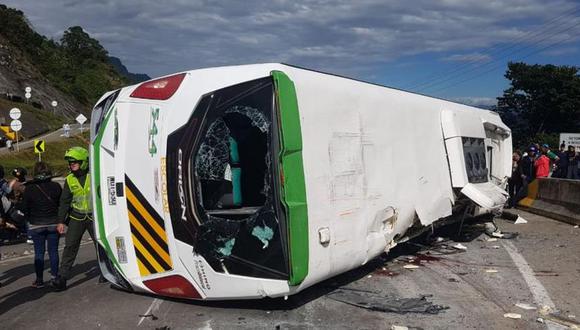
(46, 210)
(539, 161)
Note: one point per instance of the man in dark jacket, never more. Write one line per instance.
(561, 164)
(528, 172)
(515, 182)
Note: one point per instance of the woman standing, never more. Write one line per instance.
(40, 207)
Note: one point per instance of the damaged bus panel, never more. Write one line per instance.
(261, 180)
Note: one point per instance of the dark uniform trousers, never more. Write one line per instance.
(74, 234)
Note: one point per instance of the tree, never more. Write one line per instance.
(542, 100)
(80, 46)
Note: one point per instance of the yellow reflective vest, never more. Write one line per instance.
(82, 206)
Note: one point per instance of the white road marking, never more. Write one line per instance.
(541, 296)
(153, 308)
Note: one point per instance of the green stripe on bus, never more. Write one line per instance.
(97, 174)
(293, 188)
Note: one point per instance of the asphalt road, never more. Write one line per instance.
(48, 137)
(539, 267)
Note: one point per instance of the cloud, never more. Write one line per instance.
(477, 101)
(343, 37)
(562, 51)
(473, 57)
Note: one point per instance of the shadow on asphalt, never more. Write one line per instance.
(89, 270)
(26, 294)
(467, 232)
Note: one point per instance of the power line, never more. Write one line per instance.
(499, 66)
(500, 50)
(496, 50)
(501, 59)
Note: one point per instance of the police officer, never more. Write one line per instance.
(75, 210)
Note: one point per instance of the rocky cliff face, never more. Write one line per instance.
(17, 73)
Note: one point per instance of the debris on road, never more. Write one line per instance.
(505, 235)
(376, 302)
(548, 313)
(509, 216)
(491, 270)
(525, 306)
(562, 320)
(410, 266)
(512, 315)
(491, 239)
(459, 246)
(399, 327)
(492, 230)
(153, 317)
(520, 220)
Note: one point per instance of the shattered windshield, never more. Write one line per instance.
(240, 231)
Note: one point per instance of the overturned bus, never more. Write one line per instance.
(261, 180)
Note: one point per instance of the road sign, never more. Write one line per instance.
(54, 103)
(81, 119)
(28, 89)
(15, 113)
(16, 125)
(570, 139)
(27, 95)
(39, 146)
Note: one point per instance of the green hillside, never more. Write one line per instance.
(76, 64)
(54, 155)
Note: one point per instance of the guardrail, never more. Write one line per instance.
(555, 198)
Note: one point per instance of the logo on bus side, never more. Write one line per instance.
(201, 275)
(163, 169)
(156, 183)
(115, 131)
(180, 188)
(153, 131)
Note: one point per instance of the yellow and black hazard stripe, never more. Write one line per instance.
(148, 233)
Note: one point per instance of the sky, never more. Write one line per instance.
(453, 49)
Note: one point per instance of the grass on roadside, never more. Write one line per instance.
(54, 155)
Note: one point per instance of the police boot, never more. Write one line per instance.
(59, 284)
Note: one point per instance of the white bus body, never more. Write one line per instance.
(261, 180)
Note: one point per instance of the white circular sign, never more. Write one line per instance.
(81, 119)
(28, 89)
(27, 95)
(16, 125)
(54, 103)
(15, 113)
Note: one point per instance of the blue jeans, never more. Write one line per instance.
(40, 237)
